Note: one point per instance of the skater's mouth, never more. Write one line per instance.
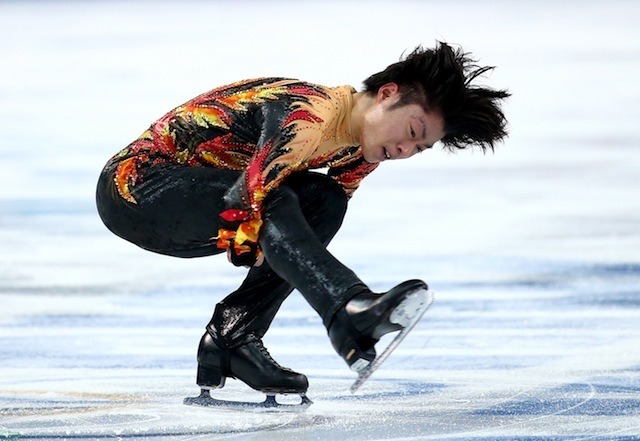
(385, 154)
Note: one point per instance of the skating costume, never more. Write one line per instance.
(266, 129)
(229, 170)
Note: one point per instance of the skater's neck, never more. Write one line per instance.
(362, 102)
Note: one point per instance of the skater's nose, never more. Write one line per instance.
(404, 150)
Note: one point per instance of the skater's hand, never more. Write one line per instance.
(259, 261)
(247, 259)
(239, 236)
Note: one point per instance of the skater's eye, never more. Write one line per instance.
(413, 132)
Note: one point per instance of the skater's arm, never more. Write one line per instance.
(289, 135)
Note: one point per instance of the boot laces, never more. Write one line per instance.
(265, 352)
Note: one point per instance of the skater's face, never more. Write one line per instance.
(400, 132)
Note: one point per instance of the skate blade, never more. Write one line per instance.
(407, 315)
(269, 404)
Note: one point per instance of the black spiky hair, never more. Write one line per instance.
(442, 79)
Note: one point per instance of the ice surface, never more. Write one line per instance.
(534, 252)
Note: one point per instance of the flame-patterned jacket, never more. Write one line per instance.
(266, 128)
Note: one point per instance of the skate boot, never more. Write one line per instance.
(359, 325)
(250, 363)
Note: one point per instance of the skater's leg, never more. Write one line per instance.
(354, 316)
(176, 213)
(176, 209)
(232, 346)
(250, 309)
(298, 256)
(247, 312)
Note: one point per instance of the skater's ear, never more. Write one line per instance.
(388, 91)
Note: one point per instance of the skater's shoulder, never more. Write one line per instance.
(277, 85)
(274, 89)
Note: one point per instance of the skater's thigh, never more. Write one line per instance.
(320, 200)
(176, 210)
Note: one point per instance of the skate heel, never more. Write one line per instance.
(210, 377)
(359, 360)
(357, 354)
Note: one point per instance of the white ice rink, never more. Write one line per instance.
(534, 251)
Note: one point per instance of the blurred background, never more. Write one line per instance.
(81, 79)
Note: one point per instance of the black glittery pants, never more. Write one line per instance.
(177, 214)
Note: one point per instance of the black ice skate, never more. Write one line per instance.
(358, 326)
(252, 364)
